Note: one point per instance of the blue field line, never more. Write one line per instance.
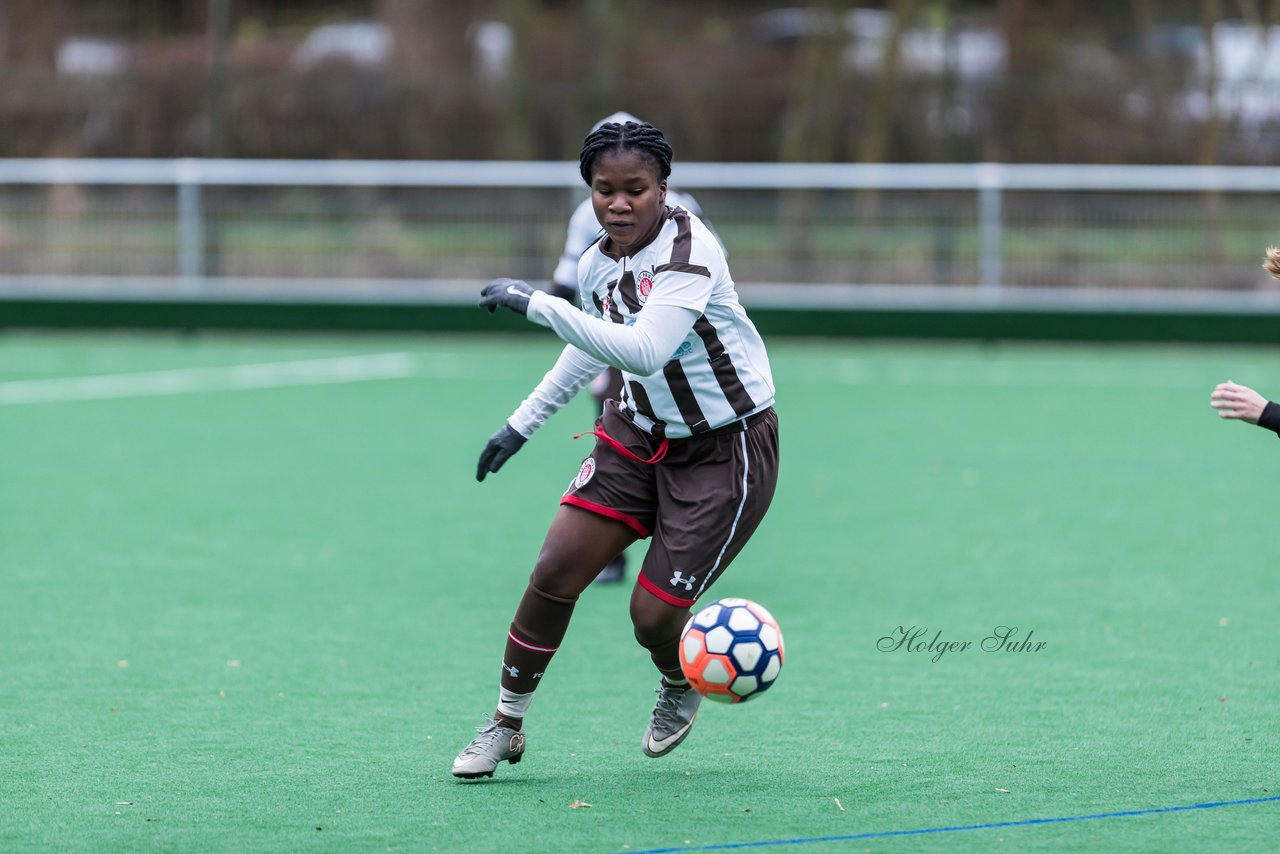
(880, 834)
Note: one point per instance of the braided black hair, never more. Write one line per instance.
(636, 136)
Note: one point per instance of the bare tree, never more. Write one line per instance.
(431, 69)
(519, 97)
(31, 31)
(1211, 130)
(876, 133)
(809, 122)
(814, 89)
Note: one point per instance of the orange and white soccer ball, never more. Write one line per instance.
(731, 650)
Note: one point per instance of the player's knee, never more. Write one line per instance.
(654, 621)
(542, 618)
(554, 579)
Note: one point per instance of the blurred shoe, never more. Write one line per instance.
(614, 571)
(495, 743)
(672, 718)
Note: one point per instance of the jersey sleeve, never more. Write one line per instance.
(1270, 417)
(640, 348)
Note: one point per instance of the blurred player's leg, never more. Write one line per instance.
(614, 571)
(608, 386)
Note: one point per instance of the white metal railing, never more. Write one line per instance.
(544, 173)
(989, 183)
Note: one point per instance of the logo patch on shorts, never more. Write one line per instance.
(644, 285)
(585, 473)
(679, 578)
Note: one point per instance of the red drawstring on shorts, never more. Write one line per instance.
(599, 433)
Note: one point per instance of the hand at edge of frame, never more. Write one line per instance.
(501, 447)
(1236, 401)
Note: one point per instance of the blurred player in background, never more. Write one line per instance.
(688, 455)
(1239, 402)
(584, 231)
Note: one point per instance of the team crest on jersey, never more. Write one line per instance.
(604, 305)
(644, 285)
(585, 473)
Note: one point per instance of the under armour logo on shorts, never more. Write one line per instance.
(679, 579)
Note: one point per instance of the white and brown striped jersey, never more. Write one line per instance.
(719, 372)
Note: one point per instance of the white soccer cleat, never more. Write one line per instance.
(495, 743)
(672, 719)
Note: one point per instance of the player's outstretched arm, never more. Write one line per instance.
(501, 447)
(1241, 403)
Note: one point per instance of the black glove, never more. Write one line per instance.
(508, 293)
(500, 448)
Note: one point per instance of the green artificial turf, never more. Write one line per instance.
(268, 618)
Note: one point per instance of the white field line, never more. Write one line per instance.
(343, 369)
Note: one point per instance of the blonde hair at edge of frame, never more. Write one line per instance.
(1272, 264)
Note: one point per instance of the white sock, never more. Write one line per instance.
(513, 705)
(676, 683)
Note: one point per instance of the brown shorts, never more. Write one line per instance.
(700, 502)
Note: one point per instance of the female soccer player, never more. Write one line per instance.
(687, 456)
(583, 232)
